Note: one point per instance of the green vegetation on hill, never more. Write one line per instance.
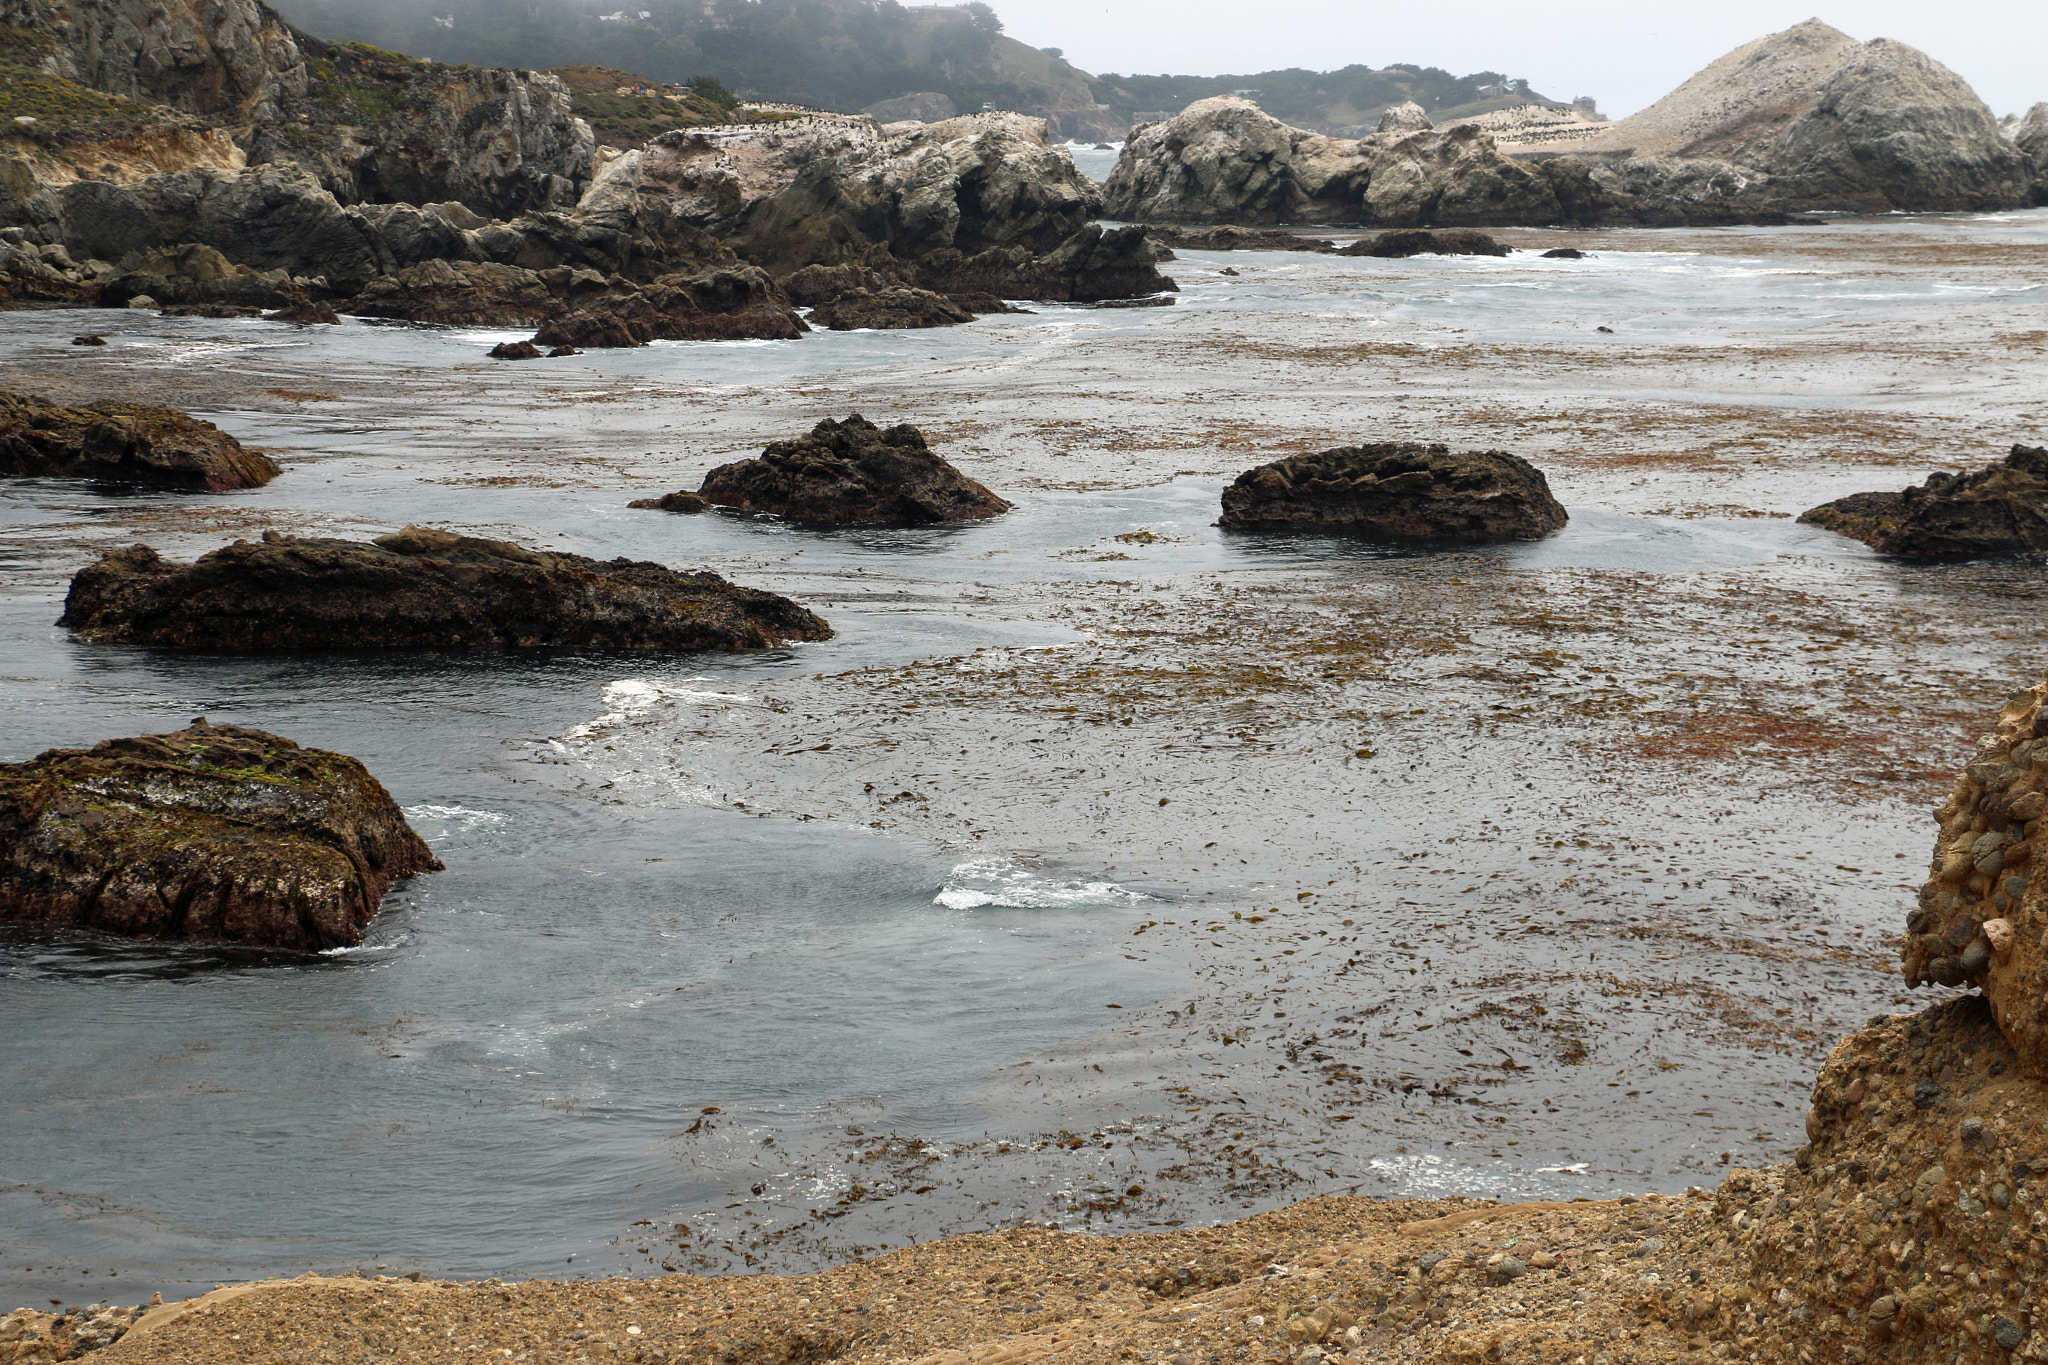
(629, 120)
(839, 54)
(1353, 95)
(65, 111)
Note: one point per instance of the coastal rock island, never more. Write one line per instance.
(419, 588)
(2001, 509)
(852, 473)
(1397, 491)
(211, 834)
(124, 443)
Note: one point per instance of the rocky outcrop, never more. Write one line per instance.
(1229, 238)
(1999, 510)
(1397, 492)
(1455, 177)
(735, 303)
(234, 59)
(2030, 137)
(124, 443)
(852, 473)
(1225, 160)
(1405, 242)
(1092, 265)
(419, 588)
(1820, 121)
(211, 834)
(1984, 908)
(893, 309)
(682, 500)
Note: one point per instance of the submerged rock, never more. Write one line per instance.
(515, 350)
(1404, 242)
(419, 588)
(1998, 510)
(1397, 491)
(682, 500)
(124, 443)
(211, 834)
(896, 308)
(852, 473)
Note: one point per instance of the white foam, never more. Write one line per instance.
(994, 881)
(461, 814)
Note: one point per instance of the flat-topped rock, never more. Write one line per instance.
(211, 834)
(124, 443)
(1405, 242)
(419, 588)
(1397, 491)
(852, 473)
(1998, 510)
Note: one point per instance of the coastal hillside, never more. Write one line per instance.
(1343, 103)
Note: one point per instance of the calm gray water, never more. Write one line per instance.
(495, 1083)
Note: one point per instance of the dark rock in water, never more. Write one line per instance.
(1092, 264)
(852, 473)
(891, 309)
(1156, 301)
(1227, 238)
(560, 351)
(1405, 242)
(1397, 491)
(682, 500)
(211, 310)
(729, 303)
(1564, 253)
(89, 339)
(212, 834)
(1999, 510)
(816, 284)
(419, 588)
(305, 312)
(126, 443)
(515, 350)
(984, 305)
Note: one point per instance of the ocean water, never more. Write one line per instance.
(505, 1076)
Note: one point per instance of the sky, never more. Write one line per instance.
(1625, 56)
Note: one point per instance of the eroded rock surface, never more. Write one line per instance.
(1982, 918)
(212, 834)
(852, 473)
(1397, 491)
(124, 443)
(419, 588)
(1998, 510)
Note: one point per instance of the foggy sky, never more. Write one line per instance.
(1625, 56)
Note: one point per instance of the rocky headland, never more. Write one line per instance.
(255, 166)
(211, 834)
(2001, 509)
(1397, 491)
(124, 443)
(1799, 121)
(852, 473)
(420, 589)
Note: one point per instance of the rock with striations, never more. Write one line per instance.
(211, 834)
(1451, 177)
(1999, 510)
(2030, 136)
(419, 588)
(1818, 120)
(852, 473)
(124, 443)
(1397, 492)
(1225, 160)
(1404, 242)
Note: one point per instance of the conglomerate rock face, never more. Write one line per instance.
(124, 443)
(852, 473)
(212, 834)
(1998, 510)
(1397, 491)
(419, 588)
(1982, 919)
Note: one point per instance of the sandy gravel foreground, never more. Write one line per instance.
(1442, 1280)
